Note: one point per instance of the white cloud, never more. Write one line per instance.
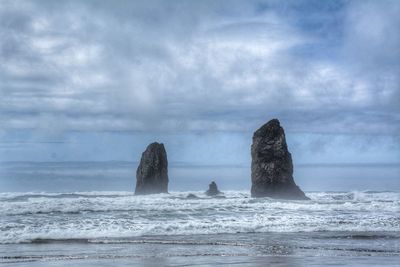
(191, 66)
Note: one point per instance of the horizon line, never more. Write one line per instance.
(192, 164)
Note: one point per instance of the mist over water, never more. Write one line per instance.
(120, 176)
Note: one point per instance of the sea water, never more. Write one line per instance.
(67, 228)
(109, 216)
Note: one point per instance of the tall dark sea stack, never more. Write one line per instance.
(271, 165)
(152, 172)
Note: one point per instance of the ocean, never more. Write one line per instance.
(109, 228)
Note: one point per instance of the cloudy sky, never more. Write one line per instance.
(99, 80)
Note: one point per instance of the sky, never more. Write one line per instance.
(100, 80)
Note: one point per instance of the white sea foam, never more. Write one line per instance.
(92, 215)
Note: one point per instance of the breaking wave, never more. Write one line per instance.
(36, 217)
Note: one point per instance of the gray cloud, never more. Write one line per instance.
(198, 66)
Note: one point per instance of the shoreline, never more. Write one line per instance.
(256, 249)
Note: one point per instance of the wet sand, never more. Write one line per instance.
(267, 249)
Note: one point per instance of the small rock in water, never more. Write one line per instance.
(192, 196)
(212, 189)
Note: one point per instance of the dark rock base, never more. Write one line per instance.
(278, 192)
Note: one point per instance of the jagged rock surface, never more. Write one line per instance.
(271, 166)
(212, 189)
(152, 172)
